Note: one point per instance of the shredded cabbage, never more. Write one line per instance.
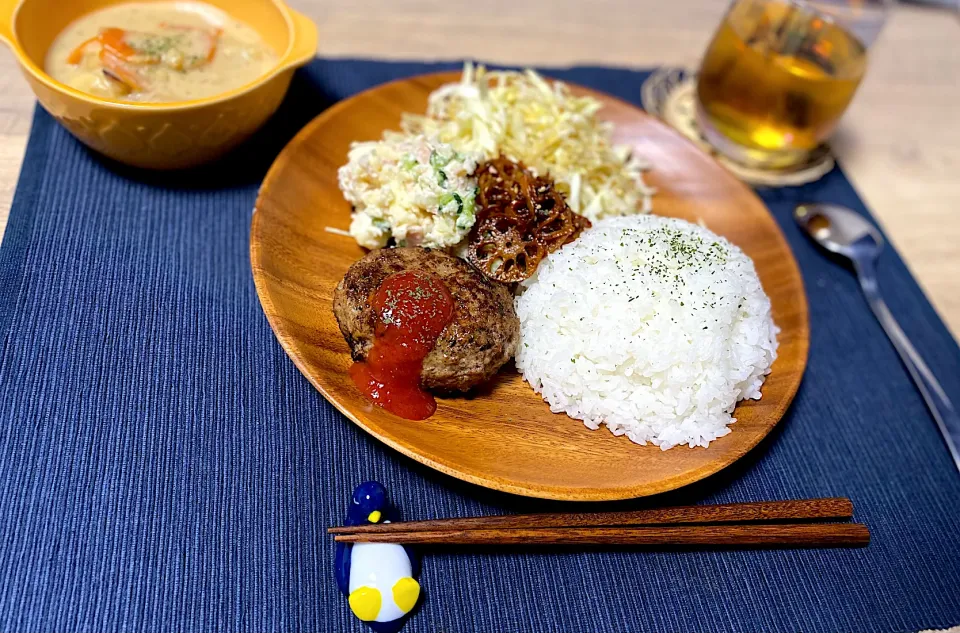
(525, 118)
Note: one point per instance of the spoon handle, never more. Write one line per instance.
(940, 406)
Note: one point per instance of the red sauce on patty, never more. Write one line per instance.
(412, 309)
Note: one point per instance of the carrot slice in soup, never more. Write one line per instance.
(216, 42)
(76, 55)
(120, 70)
(115, 40)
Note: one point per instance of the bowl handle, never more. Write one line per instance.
(305, 40)
(8, 8)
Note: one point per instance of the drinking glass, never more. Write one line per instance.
(779, 74)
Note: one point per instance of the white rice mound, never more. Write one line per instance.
(652, 326)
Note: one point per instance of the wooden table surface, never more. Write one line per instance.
(899, 142)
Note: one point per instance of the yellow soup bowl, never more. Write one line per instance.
(159, 135)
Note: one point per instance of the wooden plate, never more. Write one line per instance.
(504, 436)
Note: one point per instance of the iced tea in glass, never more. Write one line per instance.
(778, 75)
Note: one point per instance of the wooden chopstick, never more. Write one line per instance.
(793, 510)
(784, 535)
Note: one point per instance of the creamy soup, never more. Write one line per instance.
(158, 52)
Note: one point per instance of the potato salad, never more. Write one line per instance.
(417, 191)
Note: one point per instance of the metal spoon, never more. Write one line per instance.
(844, 232)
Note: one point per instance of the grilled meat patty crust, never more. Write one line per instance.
(482, 335)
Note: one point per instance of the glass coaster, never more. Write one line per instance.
(670, 95)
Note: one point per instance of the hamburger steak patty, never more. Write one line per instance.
(481, 337)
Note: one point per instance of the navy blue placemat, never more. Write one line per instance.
(164, 466)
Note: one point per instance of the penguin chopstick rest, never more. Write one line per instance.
(378, 579)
